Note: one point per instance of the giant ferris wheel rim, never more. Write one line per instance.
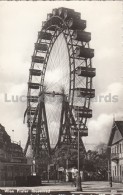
(60, 23)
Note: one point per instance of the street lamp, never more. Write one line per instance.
(78, 182)
(109, 166)
(78, 125)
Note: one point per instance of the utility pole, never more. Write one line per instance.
(78, 184)
(78, 181)
(48, 172)
(13, 135)
(109, 166)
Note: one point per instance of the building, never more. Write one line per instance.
(13, 163)
(115, 146)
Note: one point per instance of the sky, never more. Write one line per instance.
(20, 23)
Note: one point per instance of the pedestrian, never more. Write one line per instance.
(74, 180)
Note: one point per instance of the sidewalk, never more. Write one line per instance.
(101, 187)
(87, 187)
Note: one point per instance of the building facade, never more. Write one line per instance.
(13, 163)
(116, 151)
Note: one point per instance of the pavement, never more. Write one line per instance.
(90, 187)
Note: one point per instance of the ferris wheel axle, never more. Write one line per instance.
(53, 93)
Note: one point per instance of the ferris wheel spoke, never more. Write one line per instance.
(53, 118)
(58, 48)
(56, 83)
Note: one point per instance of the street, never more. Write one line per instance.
(87, 187)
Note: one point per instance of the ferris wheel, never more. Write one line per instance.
(60, 82)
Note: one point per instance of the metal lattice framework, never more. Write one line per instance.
(62, 24)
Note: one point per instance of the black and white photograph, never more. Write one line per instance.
(61, 97)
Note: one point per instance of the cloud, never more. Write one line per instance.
(109, 100)
(99, 129)
(20, 23)
(104, 112)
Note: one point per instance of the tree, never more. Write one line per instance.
(96, 165)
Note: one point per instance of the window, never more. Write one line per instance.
(115, 149)
(120, 170)
(112, 150)
(115, 170)
(120, 148)
(113, 173)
